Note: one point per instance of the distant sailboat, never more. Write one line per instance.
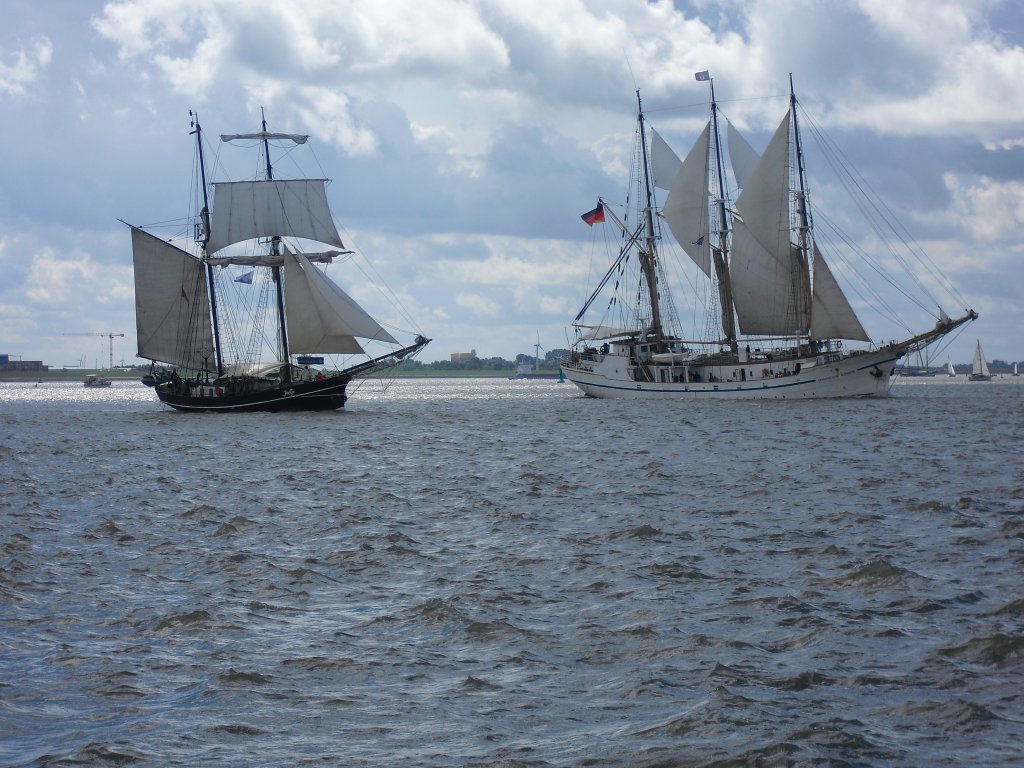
(950, 370)
(234, 344)
(979, 371)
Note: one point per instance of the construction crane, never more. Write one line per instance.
(110, 336)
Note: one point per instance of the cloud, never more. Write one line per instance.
(16, 77)
(478, 305)
(991, 210)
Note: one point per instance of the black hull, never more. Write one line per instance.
(326, 395)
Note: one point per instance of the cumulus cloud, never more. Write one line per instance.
(26, 67)
(992, 210)
(477, 304)
(465, 137)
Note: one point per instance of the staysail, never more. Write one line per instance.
(832, 317)
(321, 317)
(172, 306)
(686, 207)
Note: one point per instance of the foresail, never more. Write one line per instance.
(832, 317)
(172, 306)
(244, 210)
(321, 317)
(686, 207)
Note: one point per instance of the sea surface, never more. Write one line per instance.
(505, 573)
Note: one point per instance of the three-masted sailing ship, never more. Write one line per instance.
(255, 339)
(776, 320)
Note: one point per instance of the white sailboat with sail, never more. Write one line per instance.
(776, 317)
(979, 368)
(950, 370)
(255, 340)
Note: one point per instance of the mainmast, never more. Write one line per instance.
(648, 256)
(204, 216)
(721, 253)
(802, 276)
(275, 250)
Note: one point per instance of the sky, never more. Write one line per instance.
(464, 138)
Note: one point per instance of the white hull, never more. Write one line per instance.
(867, 374)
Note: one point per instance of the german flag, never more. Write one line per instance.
(595, 216)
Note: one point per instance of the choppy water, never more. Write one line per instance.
(498, 573)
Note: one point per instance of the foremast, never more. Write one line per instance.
(801, 267)
(648, 255)
(204, 216)
(720, 255)
(275, 251)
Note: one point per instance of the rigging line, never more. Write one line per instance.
(381, 285)
(894, 224)
(849, 183)
(863, 285)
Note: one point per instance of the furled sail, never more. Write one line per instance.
(243, 210)
(686, 207)
(270, 259)
(298, 138)
(321, 317)
(172, 306)
(832, 317)
(762, 248)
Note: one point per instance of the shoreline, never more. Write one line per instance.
(80, 374)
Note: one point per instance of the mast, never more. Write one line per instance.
(204, 216)
(648, 258)
(803, 277)
(721, 254)
(275, 249)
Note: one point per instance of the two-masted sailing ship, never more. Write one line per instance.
(245, 316)
(770, 319)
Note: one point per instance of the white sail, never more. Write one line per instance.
(761, 289)
(172, 306)
(764, 221)
(664, 162)
(686, 207)
(243, 210)
(980, 367)
(742, 156)
(321, 317)
(950, 370)
(832, 317)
